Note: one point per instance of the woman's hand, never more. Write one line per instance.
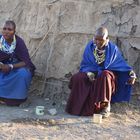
(1, 65)
(132, 78)
(5, 68)
(91, 76)
(131, 81)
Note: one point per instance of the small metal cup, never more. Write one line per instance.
(39, 110)
(97, 118)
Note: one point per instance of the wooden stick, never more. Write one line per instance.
(42, 40)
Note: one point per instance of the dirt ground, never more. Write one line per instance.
(23, 124)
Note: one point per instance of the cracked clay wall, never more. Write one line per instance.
(56, 32)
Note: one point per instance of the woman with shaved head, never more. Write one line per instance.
(104, 77)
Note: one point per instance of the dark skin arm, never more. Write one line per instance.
(5, 67)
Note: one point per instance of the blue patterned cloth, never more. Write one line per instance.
(114, 61)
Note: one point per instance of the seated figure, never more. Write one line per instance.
(104, 77)
(16, 68)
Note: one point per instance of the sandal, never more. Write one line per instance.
(105, 112)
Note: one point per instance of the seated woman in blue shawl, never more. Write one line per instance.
(104, 77)
(16, 68)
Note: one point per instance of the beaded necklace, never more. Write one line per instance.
(99, 55)
(5, 47)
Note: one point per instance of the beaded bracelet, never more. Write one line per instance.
(11, 66)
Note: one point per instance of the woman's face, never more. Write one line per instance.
(8, 31)
(99, 41)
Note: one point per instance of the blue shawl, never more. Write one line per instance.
(114, 61)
